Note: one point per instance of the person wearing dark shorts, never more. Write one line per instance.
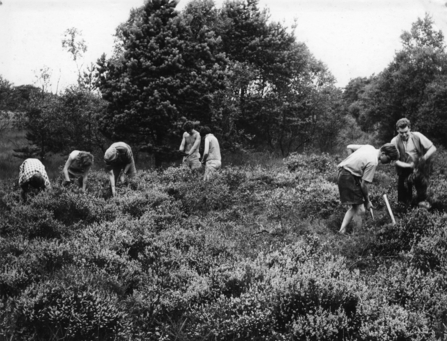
(356, 172)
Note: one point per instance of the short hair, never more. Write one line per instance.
(205, 130)
(403, 123)
(390, 150)
(37, 181)
(188, 126)
(85, 159)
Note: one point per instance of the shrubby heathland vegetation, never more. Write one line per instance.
(252, 254)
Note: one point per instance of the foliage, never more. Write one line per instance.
(411, 86)
(248, 255)
(61, 123)
(161, 72)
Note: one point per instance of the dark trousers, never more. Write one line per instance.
(405, 187)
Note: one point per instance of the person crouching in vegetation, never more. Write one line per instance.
(211, 154)
(32, 175)
(119, 161)
(355, 172)
(190, 147)
(415, 149)
(77, 167)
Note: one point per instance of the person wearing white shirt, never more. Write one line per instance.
(211, 154)
(356, 172)
(77, 167)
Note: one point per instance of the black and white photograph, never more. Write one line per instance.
(223, 170)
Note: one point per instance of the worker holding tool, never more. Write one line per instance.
(413, 166)
(356, 172)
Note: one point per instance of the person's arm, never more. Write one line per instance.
(67, 165)
(353, 147)
(46, 179)
(408, 163)
(402, 164)
(364, 188)
(84, 181)
(182, 145)
(112, 182)
(429, 152)
(195, 146)
(126, 169)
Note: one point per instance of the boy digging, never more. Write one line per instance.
(356, 172)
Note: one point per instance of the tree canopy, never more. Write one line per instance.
(413, 86)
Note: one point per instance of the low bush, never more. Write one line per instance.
(250, 255)
(53, 311)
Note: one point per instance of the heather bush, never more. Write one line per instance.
(54, 310)
(318, 163)
(250, 255)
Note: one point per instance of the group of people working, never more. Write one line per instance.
(412, 152)
(120, 163)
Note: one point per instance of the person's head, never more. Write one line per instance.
(205, 131)
(403, 127)
(85, 160)
(388, 153)
(188, 127)
(37, 181)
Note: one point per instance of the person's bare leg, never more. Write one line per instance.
(353, 211)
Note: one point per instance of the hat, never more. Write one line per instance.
(110, 154)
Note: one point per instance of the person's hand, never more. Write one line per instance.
(368, 205)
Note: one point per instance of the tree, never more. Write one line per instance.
(76, 46)
(8, 103)
(403, 88)
(271, 95)
(161, 72)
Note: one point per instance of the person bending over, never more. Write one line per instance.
(32, 175)
(211, 155)
(119, 162)
(356, 172)
(77, 167)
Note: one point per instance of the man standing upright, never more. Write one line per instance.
(211, 154)
(190, 146)
(415, 151)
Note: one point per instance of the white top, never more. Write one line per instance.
(212, 148)
(362, 163)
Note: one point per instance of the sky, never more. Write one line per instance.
(354, 38)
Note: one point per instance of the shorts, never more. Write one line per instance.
(119, 168)
(192, 161)
(349, 188)
(211, 167)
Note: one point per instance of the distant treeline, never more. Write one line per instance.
(233, 69)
